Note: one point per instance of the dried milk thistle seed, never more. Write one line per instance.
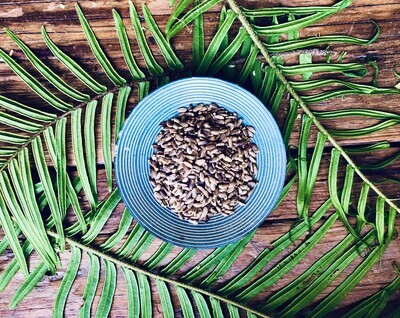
(204, 163)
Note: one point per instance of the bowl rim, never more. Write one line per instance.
(140, 104)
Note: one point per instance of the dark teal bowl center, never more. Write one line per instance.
(134, 149)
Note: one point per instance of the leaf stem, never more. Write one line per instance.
(307, 111)
(138, 269)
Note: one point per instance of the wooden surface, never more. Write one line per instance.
(26, 17)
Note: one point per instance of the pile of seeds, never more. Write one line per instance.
(204, 163)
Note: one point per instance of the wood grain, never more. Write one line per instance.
(25, 19)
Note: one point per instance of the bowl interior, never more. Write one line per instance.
(135, 148)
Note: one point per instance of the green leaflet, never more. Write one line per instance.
(164, 249)
(369, 148)
(78, 152)
(123, 228)
(305, 58)
(208, 262)
(52, 77)
(247, 44)
(216, 43)
(25, 110)
(29, 284)
(91, 286)
(74, 67)
(312, 174)
(274, 38)
(380, 220)
(342, 92)
(126, 48)
(295, 34)
(18, 123)
(333, 192)
(256, 77)
(71, 191)
(182, 258)
(97, 50)
(248, 65)
(362, 203)
(4, 241)
(170, 57)
(302, 166)
(320, 40)
(15, 139)
(377, 114)
(222, 17)
(198, 39)
(355, 87)
(180, 7)
(233, 311)
(122, 101)
(90, 145)
(267, 85)
(350, 69)
(101, 216)
(186, 306)
(61, 166)
(7, 151)
(107, 293)
(34, 84)
(391, 224)
(289, 123)
(13, 267)
(299, 23)
(30, 223)
(201, 305)
(276, 98)
(145, 296)
(130, 242)
(106, 137)
(143, 89)
(38, 154)
(216, 308)
(189, 17)
(166, 302)
(228, 53)
(154, 68)
(224, 265)
(67, 282)
(142, 245)
(12, 237)
(132, 292)
(350, 133)
(382, 164)
(346, 190)
(270, 12)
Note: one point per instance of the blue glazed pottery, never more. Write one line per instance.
(134, 149)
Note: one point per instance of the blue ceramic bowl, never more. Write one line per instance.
(135, 148)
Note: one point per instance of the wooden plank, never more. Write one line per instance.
(25, 19)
